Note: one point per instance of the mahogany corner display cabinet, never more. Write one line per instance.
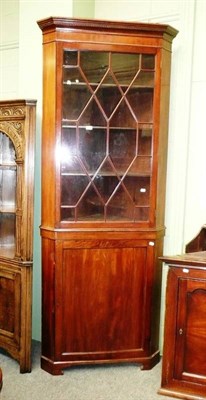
(17, 136)
(184, 361)
(104, 149)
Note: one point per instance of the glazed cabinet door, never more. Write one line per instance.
(103, 300)
(107, 127)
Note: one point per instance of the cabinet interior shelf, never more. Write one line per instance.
(106, 85)
(8, 165)
(7, 210)
(141, 125)
(105, 174)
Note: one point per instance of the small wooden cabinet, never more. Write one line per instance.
(17, 134)
(184, 361)
(104, 151)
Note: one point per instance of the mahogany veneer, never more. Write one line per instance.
(104, 149)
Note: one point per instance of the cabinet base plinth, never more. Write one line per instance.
(182, 394)
(57, 367)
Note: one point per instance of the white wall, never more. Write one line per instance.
(9, 47)
(21, 76)
(186, 175)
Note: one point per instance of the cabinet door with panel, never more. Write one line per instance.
(184, 365)
(102, 303)
(17, 133)
(104, 153)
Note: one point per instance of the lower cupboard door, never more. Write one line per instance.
(190, 359)
(101, 311)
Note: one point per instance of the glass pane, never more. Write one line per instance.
(73, 76)
(120, 207)
(145, 140)
(105, 186)
(139, 189)
(122, 148)
(75, 98)
(141, 102)
(7, 187)
(124, 116)
(92, 115)
(72, 189)
(148, 61)
(94, 64)
(7, 229)
(124, 67)
(8, 177)
(67, 213)
(109, 98)
(140, 166)
(70, 57)
(92, 147)
(70, 162)
(144, 79)
(141, 214)
(7, 151)
(91, 207)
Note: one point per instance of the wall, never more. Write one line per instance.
(9, 48)
(20, 76)
(83, 8)
(186, 173)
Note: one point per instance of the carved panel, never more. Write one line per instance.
(14, 129)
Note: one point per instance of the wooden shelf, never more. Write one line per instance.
(8, 209)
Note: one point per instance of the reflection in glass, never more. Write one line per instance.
(148, 61)
(70, 57)
(94, 64)
(141, 102)
(8, 177)
(92, 147)
(124, 67)
(122, 147)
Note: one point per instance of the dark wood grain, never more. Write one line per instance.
(100, 254)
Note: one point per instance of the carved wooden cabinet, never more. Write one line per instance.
(17, 133)
(184, 362)
(104, 149)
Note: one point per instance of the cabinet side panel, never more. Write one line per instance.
(48, 266)
(48, 136)
(156, 277)
(163, 136)
(170, 328)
